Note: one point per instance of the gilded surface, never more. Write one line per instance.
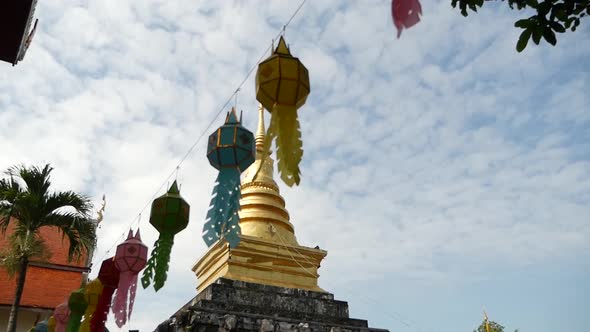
(268, 252)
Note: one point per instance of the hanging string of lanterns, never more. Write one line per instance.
(264, 55)
(87, 308)
(231, 148)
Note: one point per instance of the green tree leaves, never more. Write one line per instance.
(552, 16)
(523, 40)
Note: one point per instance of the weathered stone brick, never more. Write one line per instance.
(229, 305)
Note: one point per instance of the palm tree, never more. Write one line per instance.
(27, 204)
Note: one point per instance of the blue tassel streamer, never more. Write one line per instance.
(222, 217)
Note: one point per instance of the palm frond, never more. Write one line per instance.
(63, 199)
(36, 179)
(10, 191)
(10, 261)
(79, 229)
(19, 247)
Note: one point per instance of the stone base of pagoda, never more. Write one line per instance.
(231, 305)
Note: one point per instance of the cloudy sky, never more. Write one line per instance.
(443, 171)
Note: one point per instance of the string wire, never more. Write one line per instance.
(192, 147)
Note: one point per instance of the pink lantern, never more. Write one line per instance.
(61, 315)
(130, 259)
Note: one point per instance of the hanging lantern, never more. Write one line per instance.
(77, 304)
(109, 277)
(61, 315)
(130, 259)
(231, 150)
(92, 293)
(405, 13)
(282, 86)
(169, 216)
(51, 324)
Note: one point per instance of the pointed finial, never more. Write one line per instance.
(130, 235)
(282, 48)
(173, 188)
(260, 131)
(101, 210)
(232, 117)
(137, 235)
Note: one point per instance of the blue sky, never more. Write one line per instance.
(443, 171)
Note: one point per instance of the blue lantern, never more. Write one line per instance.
(231, 150)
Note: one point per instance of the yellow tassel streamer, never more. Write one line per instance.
(284, 125)
(92, 293)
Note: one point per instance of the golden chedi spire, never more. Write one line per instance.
(262, 208)
(268, 252)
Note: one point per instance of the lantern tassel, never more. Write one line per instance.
(157, 265)
(77, 303)
(92, 303)
(284, 124)
(74, 322)
(231, 232)
(162, 260)
(85, 326)
(132, 292)
(148, 273)
(405, 13)
(99, 317)
(120, 300)
(222, 217)
(59, 327)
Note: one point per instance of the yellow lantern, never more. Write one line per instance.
(92, 293)
(282, 86)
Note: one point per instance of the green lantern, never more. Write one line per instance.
(169, 215)
(77, 304)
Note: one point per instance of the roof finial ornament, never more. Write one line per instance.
(260, 132)
(101, 210)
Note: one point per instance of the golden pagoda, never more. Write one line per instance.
(268, 252)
